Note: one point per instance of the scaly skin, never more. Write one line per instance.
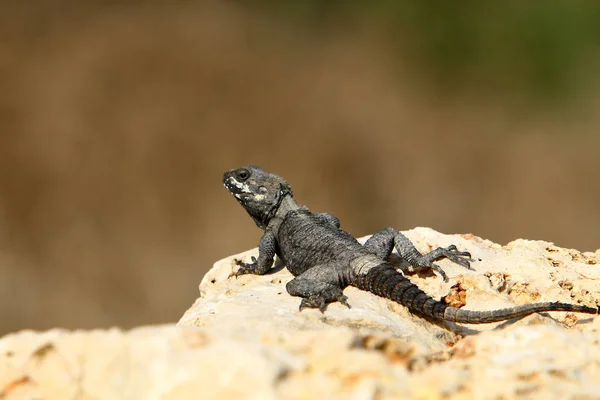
(324, 259)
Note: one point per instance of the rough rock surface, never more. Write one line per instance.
(244, 338)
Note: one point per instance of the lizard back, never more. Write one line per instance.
(305, 240)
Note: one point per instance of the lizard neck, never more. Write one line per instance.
(287, 204)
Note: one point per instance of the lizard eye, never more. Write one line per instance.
(242, 174)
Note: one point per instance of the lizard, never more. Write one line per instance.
(324, 259)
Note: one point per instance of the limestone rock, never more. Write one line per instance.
(245, 338)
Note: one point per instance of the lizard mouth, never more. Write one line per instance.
(236, 188)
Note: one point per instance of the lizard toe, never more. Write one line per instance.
(344, 300)
(440, 271)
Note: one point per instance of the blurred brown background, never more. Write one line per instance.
(118, 118)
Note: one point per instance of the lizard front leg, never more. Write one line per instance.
(383, 242)
(267, 248)
(318, 286)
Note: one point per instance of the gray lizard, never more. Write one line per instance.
(325, 259)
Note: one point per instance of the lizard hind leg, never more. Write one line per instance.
(418, 261)
(318, 287)
(382, 243)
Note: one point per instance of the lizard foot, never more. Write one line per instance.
(313, 302)
(462, 258)
(245, 268)
(320, 301)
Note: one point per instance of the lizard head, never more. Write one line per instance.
(258, 191)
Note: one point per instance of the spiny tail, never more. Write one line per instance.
(385, 281)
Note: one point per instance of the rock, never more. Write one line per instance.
(145, 363)
(245, 338)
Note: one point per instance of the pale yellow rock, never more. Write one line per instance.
(245, 339)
